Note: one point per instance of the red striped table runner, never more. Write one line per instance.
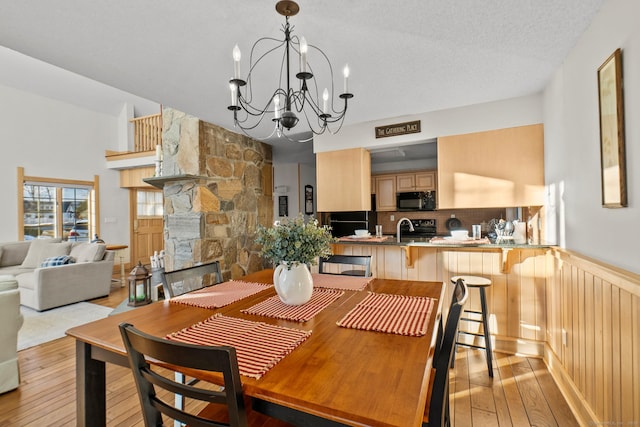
(397, 314)
(273, 307)
(259, 346)
(219, 295)
(336, 281)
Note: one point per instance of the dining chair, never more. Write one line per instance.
(179, 282)
(364, 260)
(437, 408)
(190, 279)
(228, 400)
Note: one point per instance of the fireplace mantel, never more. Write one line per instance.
(160, 181)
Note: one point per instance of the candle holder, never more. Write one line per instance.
(139, 286)
(158, 168)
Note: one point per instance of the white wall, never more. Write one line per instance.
(293, 176)
(285, 175)
(54, 139)
(572, 141)
(521, 111)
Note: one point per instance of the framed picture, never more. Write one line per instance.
(308, 200)
(283, 205)
(612, 152)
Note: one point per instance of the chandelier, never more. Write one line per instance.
(286, 105)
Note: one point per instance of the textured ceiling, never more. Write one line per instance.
(406, 57)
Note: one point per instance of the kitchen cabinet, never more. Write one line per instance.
(343, 178)
(498, 168)
(419, 181)
(385, 192)
(406, 182)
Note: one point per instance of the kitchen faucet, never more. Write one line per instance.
(400, 222)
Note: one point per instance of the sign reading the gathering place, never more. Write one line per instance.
(398, 129)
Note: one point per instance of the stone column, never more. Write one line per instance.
(223, 192)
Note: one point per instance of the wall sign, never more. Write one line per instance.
(398, 129)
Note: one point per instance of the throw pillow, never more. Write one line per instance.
(41, 249)
(88, 252)
(57, 260)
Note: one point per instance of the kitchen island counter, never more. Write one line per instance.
(519, 276)
(426, 242)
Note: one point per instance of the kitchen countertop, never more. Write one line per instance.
(425, 242)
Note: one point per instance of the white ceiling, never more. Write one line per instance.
(406, 57)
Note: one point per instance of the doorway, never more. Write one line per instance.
(147, 231)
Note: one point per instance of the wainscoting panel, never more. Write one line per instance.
(597, 307)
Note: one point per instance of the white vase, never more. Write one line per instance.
(293, 285)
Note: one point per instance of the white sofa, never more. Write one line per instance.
(42, 288)
(10, 322)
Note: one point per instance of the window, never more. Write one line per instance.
(149, 203)
(58, 208)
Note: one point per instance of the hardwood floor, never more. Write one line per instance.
(522, 392)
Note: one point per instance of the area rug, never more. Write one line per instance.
(41, 327)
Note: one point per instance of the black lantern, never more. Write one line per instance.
(139, 286)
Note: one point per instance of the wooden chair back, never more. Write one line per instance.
(190, 279)
(364, 260)
(147, 378)
(437, 408)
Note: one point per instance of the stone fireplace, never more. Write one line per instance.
(217, 188)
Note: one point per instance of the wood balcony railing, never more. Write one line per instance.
(147, 133)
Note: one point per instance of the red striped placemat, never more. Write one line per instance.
(273, 307)
(259, 346)
(219, 295)
(396, 314)
(337, 281)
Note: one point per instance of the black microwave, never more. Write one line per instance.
(416, 201)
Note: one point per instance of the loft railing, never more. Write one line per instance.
(147, 133)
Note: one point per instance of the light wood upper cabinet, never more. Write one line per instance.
(343, 178)
(418, 181)
(426, 181)
(498, 168)
(406, 182)
(385, 192)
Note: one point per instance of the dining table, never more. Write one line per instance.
(336, 375)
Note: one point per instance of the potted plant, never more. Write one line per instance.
(293, 244)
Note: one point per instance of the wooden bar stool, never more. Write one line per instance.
(480, 283)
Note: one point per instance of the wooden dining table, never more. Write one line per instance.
(338, 376)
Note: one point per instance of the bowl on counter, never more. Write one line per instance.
(460, 234)
(362, 233)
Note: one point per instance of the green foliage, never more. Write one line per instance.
(295, 241)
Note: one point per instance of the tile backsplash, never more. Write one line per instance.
(467, 217)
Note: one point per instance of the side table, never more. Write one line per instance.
(119, 252)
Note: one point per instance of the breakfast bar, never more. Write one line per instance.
(520, 274)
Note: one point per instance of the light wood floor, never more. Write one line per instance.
(522, 393)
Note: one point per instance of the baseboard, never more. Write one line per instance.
(579, 406)
(509, 345)
(519, 346)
